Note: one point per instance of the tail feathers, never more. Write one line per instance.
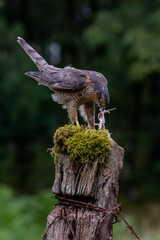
(35, 57)
(39, 77)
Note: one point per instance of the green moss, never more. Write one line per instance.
(82, 144)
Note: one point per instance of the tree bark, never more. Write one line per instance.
(94, 183)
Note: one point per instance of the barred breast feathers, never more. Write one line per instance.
(62, 97)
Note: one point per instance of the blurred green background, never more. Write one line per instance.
(121, 39)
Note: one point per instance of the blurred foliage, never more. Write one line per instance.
(23, 216)
(119, 39)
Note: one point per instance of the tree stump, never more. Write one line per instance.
(94, 183)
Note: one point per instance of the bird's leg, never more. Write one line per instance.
(72, 112)
(77, 123)
(90, 114)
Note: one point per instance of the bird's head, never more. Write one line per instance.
(103, 96)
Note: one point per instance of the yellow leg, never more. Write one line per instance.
(77, 123)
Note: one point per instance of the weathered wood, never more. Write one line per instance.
(97, 182)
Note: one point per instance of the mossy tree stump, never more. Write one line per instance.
(88, 166)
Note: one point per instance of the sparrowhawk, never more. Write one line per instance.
(73, 88)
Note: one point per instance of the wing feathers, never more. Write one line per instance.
(67, 78)
(41, 78)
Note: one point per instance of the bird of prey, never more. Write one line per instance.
(73, 88)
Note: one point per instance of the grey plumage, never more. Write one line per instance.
(73, 87)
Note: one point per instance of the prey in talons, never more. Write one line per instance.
(101, 117)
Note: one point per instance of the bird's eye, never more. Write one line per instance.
(101, 100)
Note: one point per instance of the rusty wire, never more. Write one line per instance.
(116, 210)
